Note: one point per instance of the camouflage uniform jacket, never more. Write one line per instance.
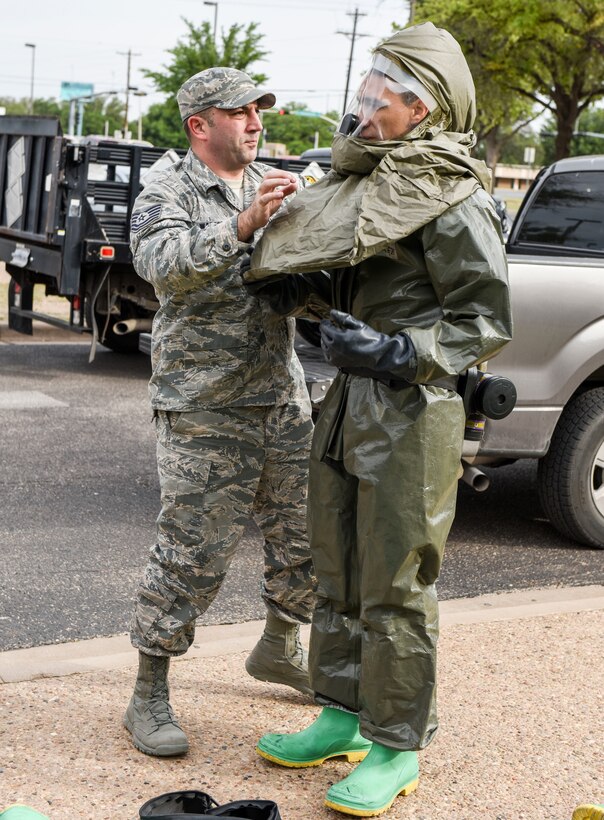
(214, 344)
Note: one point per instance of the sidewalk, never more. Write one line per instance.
(521, 716)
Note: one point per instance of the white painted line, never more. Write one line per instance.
(27, 400)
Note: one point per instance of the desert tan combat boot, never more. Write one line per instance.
(149, 716)
(279, 657)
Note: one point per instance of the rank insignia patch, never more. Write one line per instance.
(145, 218)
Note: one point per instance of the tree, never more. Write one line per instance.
(103, 113)
(162, 125)
(569, 75)
(589, 136)
(97, 112)
(20, 108)
(587, 139)
(240, 48)
(513, 151)
(550, 54)
(297, 130)
(481, 30)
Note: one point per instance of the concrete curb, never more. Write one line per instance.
(58, 660)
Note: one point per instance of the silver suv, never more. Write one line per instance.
(556, 357)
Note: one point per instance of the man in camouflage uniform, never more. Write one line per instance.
(231, 409)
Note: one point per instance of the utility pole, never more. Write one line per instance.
(353, 35)
(209, 3)
(33, 64)
(129, 88)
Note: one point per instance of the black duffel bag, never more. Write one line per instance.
(193, 805)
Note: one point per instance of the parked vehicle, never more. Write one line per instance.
(556, 358)
(65, 208)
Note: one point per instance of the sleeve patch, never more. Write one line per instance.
(145, 218)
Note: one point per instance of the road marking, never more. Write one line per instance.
(27, 400)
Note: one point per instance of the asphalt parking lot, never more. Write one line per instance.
(80, 497)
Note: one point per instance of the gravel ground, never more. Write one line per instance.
(521, 733)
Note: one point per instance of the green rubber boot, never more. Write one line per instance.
(279, 657)
(372, 787)
(588, 811)
(334, 733)
(149, 716)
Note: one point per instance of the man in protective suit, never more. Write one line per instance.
(420, 291)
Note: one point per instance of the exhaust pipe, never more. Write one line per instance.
(475, 478)
(141, 325)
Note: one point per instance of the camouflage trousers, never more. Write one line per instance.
(216, 468)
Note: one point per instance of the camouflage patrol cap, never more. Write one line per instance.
(220, 87)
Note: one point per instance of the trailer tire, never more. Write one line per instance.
(571, 475)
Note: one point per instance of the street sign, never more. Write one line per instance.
(72, 91)
(529, 155)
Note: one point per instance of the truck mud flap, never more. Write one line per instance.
(20, 297)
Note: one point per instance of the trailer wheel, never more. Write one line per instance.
(571, 475)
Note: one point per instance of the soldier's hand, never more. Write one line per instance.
(273, 189)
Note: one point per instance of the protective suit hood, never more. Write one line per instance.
(381, 191)
(434, 56)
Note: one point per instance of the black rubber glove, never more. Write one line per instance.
(358, 349)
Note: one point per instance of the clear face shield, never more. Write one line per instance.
(379, 110)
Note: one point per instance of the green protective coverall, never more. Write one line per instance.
(385, 458)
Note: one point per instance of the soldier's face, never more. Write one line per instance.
(388, 117)
(230, 137)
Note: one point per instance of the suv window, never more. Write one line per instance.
(567, 214)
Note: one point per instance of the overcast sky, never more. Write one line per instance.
(86, 42)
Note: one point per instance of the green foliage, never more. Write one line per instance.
(592, 121)
(582, 144)
(240, 48)
(512, 152)
(481, 28)
(101, 111)
(42, 108)
(162, 125)
(296, 131)
(97, 112)
(526, 53)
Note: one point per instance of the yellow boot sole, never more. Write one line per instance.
(407, 789)
(351, 757)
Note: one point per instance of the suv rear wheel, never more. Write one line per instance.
(571, 475)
